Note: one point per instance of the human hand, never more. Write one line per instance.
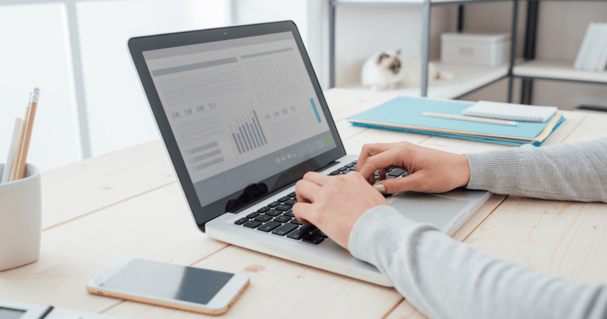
(334, 203)
(430, 171)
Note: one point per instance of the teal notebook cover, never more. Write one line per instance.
(407, 111)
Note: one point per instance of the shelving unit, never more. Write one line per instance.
(558, 71)
(548, 70)
(473, 78)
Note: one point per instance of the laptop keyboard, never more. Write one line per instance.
(277, 217)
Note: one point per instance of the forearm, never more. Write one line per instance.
(575, 171)
(447, 279)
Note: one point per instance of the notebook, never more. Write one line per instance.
(404, 114)
(512, 112)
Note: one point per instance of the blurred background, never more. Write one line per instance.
(91, 101)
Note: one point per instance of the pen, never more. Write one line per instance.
(470, 118)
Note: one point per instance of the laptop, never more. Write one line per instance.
(243, 118)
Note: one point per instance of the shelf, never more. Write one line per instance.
(558, 71)
(404, 3)
(467, 79)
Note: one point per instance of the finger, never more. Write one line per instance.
(416, 182)
(306, 191)
(316, 178)
(303, 212)
(367, 151)
(379, 161)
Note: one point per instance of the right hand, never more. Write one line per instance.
(430, 171)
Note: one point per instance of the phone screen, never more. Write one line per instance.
(6, 313)
(162, 280)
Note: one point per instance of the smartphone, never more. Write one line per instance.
(169, 285)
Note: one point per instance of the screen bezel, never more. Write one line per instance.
(220, 300)
(138, 45)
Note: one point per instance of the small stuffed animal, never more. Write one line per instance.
(388, 70)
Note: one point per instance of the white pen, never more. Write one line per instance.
(470, 118)
(11, 151)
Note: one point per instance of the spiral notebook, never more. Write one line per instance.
(512, 112)
(404, 114)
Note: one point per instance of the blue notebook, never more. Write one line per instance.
(404, 114)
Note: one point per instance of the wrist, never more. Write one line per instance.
(463, 171)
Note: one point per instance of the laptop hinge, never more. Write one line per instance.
(278, 190)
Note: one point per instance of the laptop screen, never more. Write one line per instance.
(242, 111)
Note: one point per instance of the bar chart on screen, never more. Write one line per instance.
(247, 132)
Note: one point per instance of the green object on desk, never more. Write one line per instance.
(405, 114)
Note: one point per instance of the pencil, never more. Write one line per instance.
(470, 118)
(28, 134)
(17, 154)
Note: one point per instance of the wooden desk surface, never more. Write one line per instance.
(128, 203)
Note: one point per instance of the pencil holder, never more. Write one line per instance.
(20, 219)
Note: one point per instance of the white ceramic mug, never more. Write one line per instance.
(20, 219)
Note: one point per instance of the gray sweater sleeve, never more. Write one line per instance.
(447, 279)
(575, 171)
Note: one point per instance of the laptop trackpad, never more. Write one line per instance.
(432, 209)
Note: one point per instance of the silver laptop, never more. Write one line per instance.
(243, 118)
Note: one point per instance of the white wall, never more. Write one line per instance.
(118, 110)
(35, 53)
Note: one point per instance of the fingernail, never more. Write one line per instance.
(381, 188)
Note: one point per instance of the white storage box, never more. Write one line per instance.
(477, 49)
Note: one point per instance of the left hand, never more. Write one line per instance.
(335, 203)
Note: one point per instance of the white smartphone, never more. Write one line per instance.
(169, 285)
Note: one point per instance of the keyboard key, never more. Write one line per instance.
(397, 172)
(273, 212)
(284, 229)
(350, 165)
(308, 228)
(252, 224)
(341, 169)
(291, 202)
(334, 173)
(312, 239)
(289, 213)
(252, 215)
(354, 162)
(297, 234)
(283, 207)
(282, 219)
(263, 218)
(273, 204)
(295, 221)
(268, 226)
(241, 221)
(263, 209)
(319, 233)
(283, 199)
(292, 195)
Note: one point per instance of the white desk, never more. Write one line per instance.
(128, 203)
